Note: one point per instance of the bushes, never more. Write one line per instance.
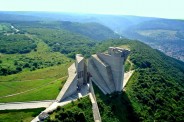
(9, 70)
(16, 44)
(77, 111)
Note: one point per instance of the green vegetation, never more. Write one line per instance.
(45, 90)
(40, 58)
(92, 30)
(25, 115)
(4, 27)
(115, 107)
(155, 91)
(54, 72)
(7, 88)
(16, 43)
(63, 41)
(66, 37)
(76, 111)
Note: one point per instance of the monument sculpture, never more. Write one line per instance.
(106, 70)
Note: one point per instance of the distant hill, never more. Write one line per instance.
(94, 31)
(17, 16)
(115, 22)
(163, 34)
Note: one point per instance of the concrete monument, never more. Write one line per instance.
(106, 70)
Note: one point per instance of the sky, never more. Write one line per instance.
(151, 8)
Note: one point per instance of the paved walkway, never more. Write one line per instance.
(84, 92)
(96, 113)
(26, 105)
(127, 76)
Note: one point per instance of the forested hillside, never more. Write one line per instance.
(154, 93)
(94, 30)
(162, 34)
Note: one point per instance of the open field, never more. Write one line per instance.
(25, 115)
(50, 72)
(7, 88)
(48, 91)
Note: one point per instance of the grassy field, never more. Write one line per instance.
(25, 115)
(40, 84)
(54, 72)
(7, 88)
(48, 91)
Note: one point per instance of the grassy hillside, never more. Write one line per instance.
(41, 90)
(39, 58)
(27, 76)
(25, 115)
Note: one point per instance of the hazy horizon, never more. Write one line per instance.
(160, 9)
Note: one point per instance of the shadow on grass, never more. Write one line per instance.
(115, 107)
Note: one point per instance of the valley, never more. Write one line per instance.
(35, 59)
